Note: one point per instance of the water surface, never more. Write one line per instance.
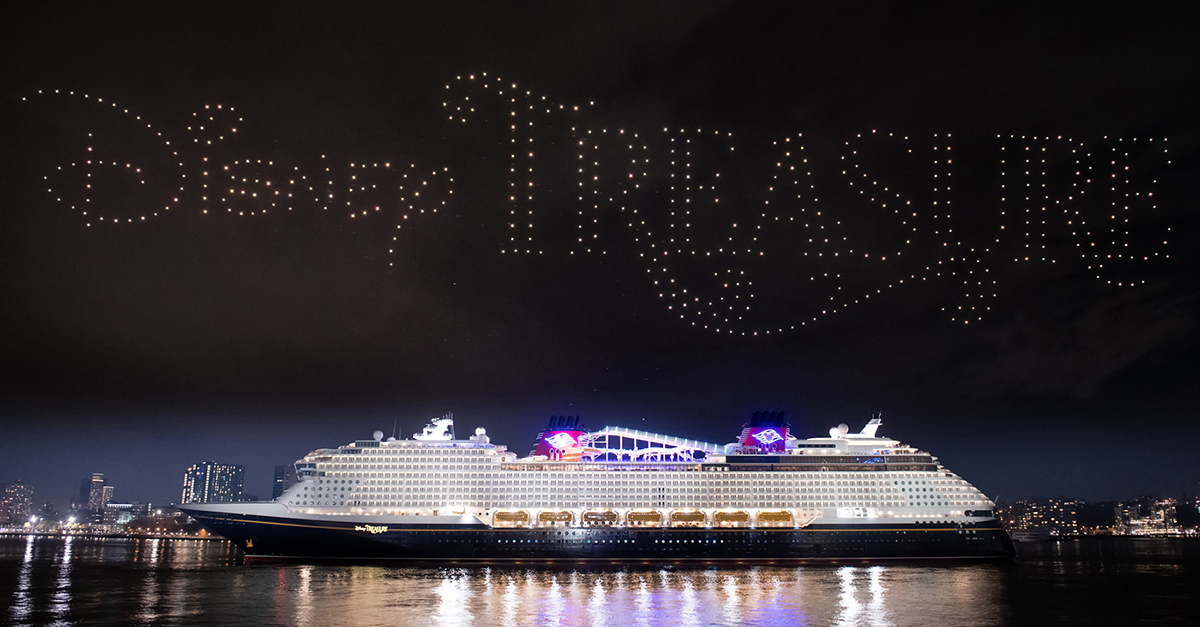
(115, 581)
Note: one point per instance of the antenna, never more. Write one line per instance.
(395, 423)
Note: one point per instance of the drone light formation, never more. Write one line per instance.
(206, 177)
(732, 244)
(704, 239)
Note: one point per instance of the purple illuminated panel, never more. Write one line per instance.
(766, 439)
(560, 445)
(561, 440)
(767, 436)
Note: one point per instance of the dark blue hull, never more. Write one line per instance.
(276, 537)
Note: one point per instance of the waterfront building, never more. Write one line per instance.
(16, 504)
(124, 513)
(1062, 516)
(210, 482)
(48, 512)
(1054, 517)
(1124, 514)
(285, 477)
(1161, 519)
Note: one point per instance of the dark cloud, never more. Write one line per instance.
(1077, 349)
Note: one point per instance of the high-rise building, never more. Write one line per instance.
(16, 504)
(285, 477)
(94, 494)
(1062, 516)
(91, 492)
(210, 482)
(85, 492)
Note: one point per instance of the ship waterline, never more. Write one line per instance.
(619, 495)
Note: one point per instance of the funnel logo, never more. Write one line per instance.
(767, 436)
(560, 440)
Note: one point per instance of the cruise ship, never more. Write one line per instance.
(619, 495)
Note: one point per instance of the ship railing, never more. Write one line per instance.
(707, 447)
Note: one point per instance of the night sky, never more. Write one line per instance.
(980, 221)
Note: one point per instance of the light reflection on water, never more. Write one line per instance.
(304, 600)
(454, 605)
(876, 610)
(22, 603)
(83, 581)
(597, 611)
(511, 603)
(60, 600)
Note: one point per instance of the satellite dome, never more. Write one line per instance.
(378, 436)
(843, 429)
(480, 431)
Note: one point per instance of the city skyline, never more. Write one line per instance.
(245, 237)
(283, 476)
(1029, 519)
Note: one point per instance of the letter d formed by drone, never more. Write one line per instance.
(129, 170)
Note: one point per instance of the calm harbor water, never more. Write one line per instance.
(116, 581)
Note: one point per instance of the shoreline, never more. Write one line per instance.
(110, 534)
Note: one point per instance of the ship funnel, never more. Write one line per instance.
(438, 429)
(871, 427)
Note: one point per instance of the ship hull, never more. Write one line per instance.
(282, 537)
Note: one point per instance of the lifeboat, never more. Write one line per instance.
(512, 518)
(775, 519)
(644, 518)
(688, 518)
(600, 518)
(737, 518)
(555, 518)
